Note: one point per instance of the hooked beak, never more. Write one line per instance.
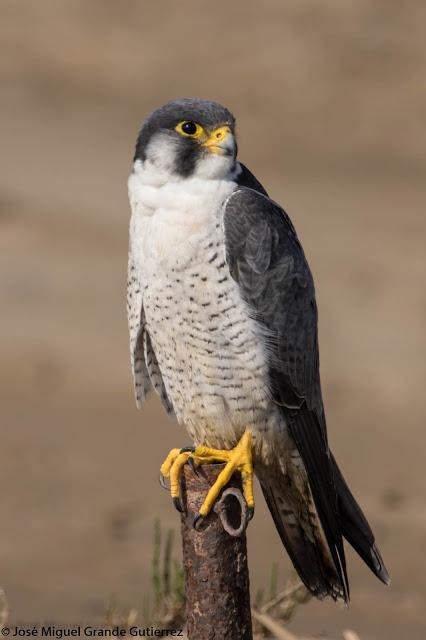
(221, 141)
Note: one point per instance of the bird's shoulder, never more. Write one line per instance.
(266, 259)
(245, 178)
(260, 232)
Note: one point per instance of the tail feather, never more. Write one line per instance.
(298, 523)
(307, 428)
(309, 555)
(356, 529)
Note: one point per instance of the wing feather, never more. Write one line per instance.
(136, 323)
(145, 368)
(267, 261)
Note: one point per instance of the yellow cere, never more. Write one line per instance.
(216, 137)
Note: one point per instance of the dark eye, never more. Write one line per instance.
(189, 128)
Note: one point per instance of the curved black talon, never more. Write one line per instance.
(250, 513)
(198, 518)
(177, 504)
(187, 450)
(191, 463)
(163, 482)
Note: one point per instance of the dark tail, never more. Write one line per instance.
(319, 563)
(355, 527)
(300, 531)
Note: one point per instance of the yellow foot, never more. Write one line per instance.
(237, 459)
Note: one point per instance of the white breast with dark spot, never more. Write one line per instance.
(208, 348)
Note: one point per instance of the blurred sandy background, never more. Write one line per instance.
(330, 99)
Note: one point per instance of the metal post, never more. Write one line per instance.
(215, 560)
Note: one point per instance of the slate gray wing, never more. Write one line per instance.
(267, 261)
(145, 368)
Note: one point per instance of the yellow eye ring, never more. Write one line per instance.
(189, 129)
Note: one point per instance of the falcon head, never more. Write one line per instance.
(189, 138)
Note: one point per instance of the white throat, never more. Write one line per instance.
(171, 215)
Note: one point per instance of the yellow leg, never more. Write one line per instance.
(237, 459)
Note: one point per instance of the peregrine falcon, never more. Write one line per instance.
(223, 326)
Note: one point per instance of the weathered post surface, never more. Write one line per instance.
(215, 560)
